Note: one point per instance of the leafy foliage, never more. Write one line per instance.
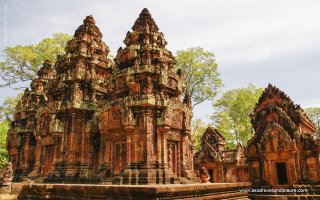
(8, 107)
(198, 127)
(232, 114)
(4, 127)
(314, 115)
(201, 73)
(21, 63)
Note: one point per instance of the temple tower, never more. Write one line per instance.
(145, 125)
(65, 124)
(285, 148)
(22, 140)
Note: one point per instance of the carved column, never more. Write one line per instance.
(111, 147)
(148, 115)
(165, 149)
(128, 148)
(179, 159)
(25, 152)
(56, 150)
(36, 167)
(294, 169)
(71, 137)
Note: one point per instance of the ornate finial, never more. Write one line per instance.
(145, 11)
(88, 26)
(145, 22)
(89, 20)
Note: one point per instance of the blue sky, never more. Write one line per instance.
(255, 41)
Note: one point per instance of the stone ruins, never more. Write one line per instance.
(284, 150)
(223, 165)
(88, 119)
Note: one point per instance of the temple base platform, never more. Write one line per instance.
(169, 191)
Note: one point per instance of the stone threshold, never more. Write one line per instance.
(174, 191)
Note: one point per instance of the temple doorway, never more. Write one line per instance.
(281, 169)
(120, 157)
(172, 157)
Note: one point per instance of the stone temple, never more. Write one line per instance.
(87, 119)
(93, 128)
(283, 152)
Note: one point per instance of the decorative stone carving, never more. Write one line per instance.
(223, 165)
(282, 132)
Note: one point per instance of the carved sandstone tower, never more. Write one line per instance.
(68, 134)
(145, 125)
(87, 120)
(22, 140)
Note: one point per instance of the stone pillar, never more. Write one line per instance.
(85, 146)
(56, 159)
(36, 167)
(24, 166)
(72, 135)
(111, 147)
(179, 159)
(165, 149)
(102, 150)
(56, 149)
(129, 148)
(149, 145)
(129, 130)
(293, 170)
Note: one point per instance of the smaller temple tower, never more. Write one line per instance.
(223, 165)
(22, 141)
(285, 148)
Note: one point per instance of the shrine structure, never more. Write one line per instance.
(87, 119)
(144, 125)
(223, 165)
(285, 148)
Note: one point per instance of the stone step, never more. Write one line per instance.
(8, 196)
(107, 181)
(16, 187)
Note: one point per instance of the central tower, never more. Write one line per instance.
(145, 123)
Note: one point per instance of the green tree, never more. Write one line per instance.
(314, 115)
(21, 63)
(198, 127)
(232, 114)
(8, 107)
(201, 74)
(4, 127)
